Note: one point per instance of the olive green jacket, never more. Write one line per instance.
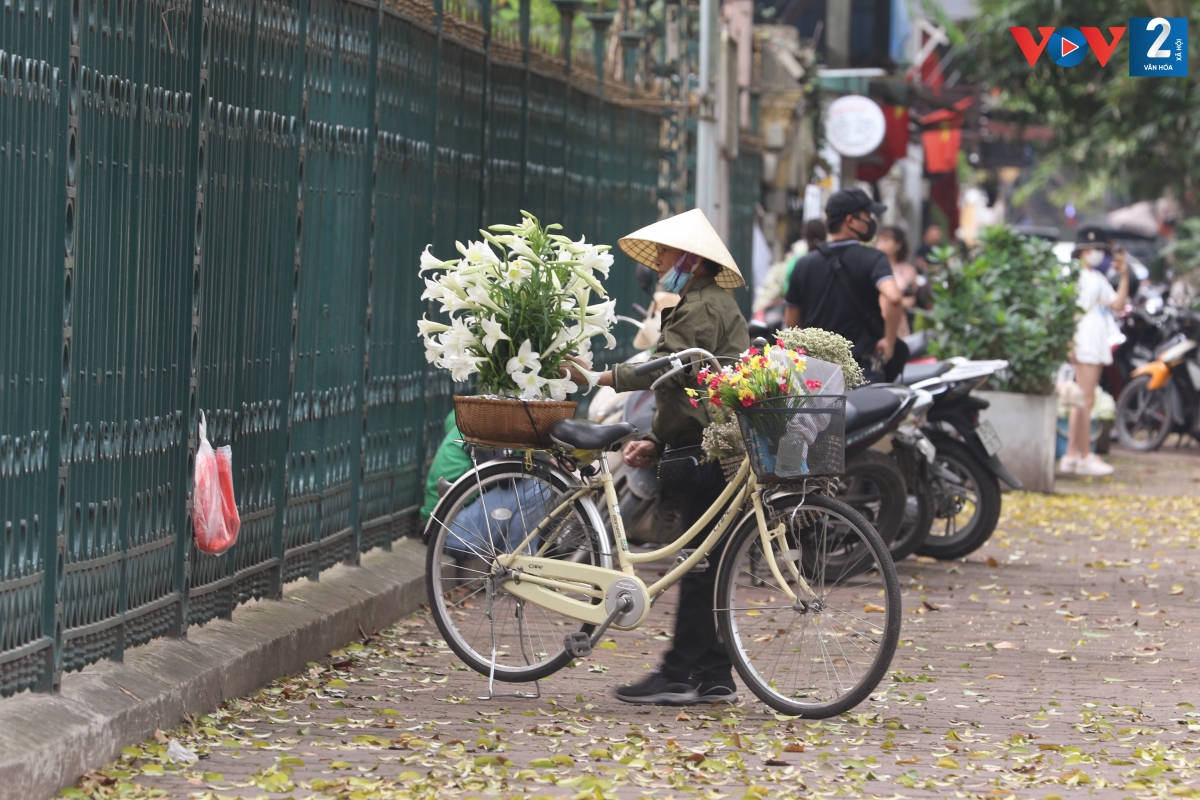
(707, 316)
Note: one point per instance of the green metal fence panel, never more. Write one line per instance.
(504, 144)
(32, 301)
(126, 475)
(745, 179)
(326, 425)
(249, 157)
(393, 454)
(218, 206)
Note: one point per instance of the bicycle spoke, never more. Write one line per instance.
(820, 654)
(494, 514)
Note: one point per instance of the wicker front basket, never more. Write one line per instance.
(499, 422)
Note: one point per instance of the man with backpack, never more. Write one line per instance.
(849, 289)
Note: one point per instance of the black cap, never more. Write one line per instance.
(848, 201)
(1092, 236)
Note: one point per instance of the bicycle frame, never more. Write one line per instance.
(592, 581)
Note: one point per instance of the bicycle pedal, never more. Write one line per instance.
(577, 644)
(685, 554)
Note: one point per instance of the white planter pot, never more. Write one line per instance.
(1026, 424)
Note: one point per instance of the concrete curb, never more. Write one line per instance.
(48, 741)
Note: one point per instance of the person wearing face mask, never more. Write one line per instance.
(1092, 345)
(849, 289)
(691, 261)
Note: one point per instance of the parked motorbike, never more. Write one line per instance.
(966, 473)
(1163, 395)
(890, 490)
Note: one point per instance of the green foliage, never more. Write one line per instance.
(1012, 300)
(1137, 134)
(543, 23)
(1183, 251)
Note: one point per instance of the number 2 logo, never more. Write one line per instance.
(1164, 28)
(1158, 47)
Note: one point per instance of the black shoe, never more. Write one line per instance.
(658, 689)
(716, 692)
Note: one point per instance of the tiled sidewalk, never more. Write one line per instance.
(1059, 660)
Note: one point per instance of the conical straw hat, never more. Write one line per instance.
(689, 231)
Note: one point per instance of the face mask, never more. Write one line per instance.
(681, 273)
(872, 229)
(1093, 258)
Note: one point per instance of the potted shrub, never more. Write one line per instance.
(1011, 299)
(519, 302)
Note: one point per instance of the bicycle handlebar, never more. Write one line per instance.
(650, 366)
(676, 362)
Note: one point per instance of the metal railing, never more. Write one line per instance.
(218, 205)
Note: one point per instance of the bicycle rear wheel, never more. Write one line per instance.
(826, 653)
(488, 512)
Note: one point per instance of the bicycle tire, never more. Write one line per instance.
(447, 521)
(810, 523)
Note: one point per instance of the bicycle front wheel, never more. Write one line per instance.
(489, 512)
(826, 653)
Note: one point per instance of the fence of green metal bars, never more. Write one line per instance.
(218, 205)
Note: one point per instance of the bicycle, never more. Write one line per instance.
(523, 575)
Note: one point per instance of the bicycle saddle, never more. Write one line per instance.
(584, 435)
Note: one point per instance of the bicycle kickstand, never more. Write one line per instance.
(491, 692)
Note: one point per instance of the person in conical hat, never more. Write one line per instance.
(692, 261)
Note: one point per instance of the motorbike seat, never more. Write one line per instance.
(584, 435)
(868, 405)
(915, 373)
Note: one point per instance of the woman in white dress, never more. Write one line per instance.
(1092, 350)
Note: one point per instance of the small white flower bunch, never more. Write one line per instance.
(519, 302)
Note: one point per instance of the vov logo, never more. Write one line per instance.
(1067, 46)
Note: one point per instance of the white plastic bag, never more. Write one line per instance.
(214, 508)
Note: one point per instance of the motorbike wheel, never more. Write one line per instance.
(873, 485)
(1143, 415)
(967, 505)
(918, 520)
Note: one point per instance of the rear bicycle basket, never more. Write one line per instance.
(792, 438)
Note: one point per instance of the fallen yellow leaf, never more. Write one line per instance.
(871, 608)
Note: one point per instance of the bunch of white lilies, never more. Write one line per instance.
(519, 302)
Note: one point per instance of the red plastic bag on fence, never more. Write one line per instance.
(214, 508)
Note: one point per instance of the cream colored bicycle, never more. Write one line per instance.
(523, 575)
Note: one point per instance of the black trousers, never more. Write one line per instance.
(696, 654)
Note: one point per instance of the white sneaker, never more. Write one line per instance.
(1067, 465)
(1093, 467)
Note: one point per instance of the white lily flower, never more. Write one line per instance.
(493, 332)
(463, 367)
(478, 294)
(561, 339)
(427, 327)
(429, 260)
(517, 271)
(595, 260)
(433, 290)
(525, 358)
(479, 252)
(434, 351)
(530, 384)
(521, 247)
(460, 336)
(559, 388)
